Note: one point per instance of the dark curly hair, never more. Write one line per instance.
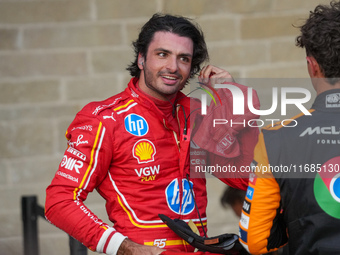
(175, 24)
(320, 36)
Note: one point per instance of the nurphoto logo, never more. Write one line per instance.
(279, 99)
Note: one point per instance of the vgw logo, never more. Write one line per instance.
(136, 125)
(173, 197)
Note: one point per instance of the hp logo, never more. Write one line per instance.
(136, 125)
(182, 206)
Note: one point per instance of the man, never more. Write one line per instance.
(134, 149)
(302, 206)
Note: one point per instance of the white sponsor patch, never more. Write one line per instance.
(244, 221)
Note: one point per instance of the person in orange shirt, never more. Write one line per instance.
(293, 195)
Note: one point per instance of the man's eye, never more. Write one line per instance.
(185, 59)
(162, 54)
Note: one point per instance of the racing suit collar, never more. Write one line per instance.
(328, 100)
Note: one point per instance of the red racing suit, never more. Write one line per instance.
(294, 194)
(126, 149)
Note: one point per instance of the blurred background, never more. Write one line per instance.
(58, 55)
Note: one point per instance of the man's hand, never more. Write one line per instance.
(131, 248)
(214, 75)
(223, 140)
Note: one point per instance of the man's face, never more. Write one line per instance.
(167, 65)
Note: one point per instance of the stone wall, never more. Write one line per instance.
(57, 55)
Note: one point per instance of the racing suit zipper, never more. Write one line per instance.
(179, 178)
(179, 162)
(180, 141)
(184, 147)
(182, 155)
(179, 125)
(174, 133)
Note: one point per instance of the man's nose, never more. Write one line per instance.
(172, 64)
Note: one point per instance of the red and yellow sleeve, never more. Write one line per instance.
(83, 167)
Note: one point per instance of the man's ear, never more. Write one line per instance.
(314, 68)
(140, 61)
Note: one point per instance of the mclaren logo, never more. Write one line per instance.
(321, 131)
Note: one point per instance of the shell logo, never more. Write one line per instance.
(144, 151)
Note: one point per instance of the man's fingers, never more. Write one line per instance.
(214, 75)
